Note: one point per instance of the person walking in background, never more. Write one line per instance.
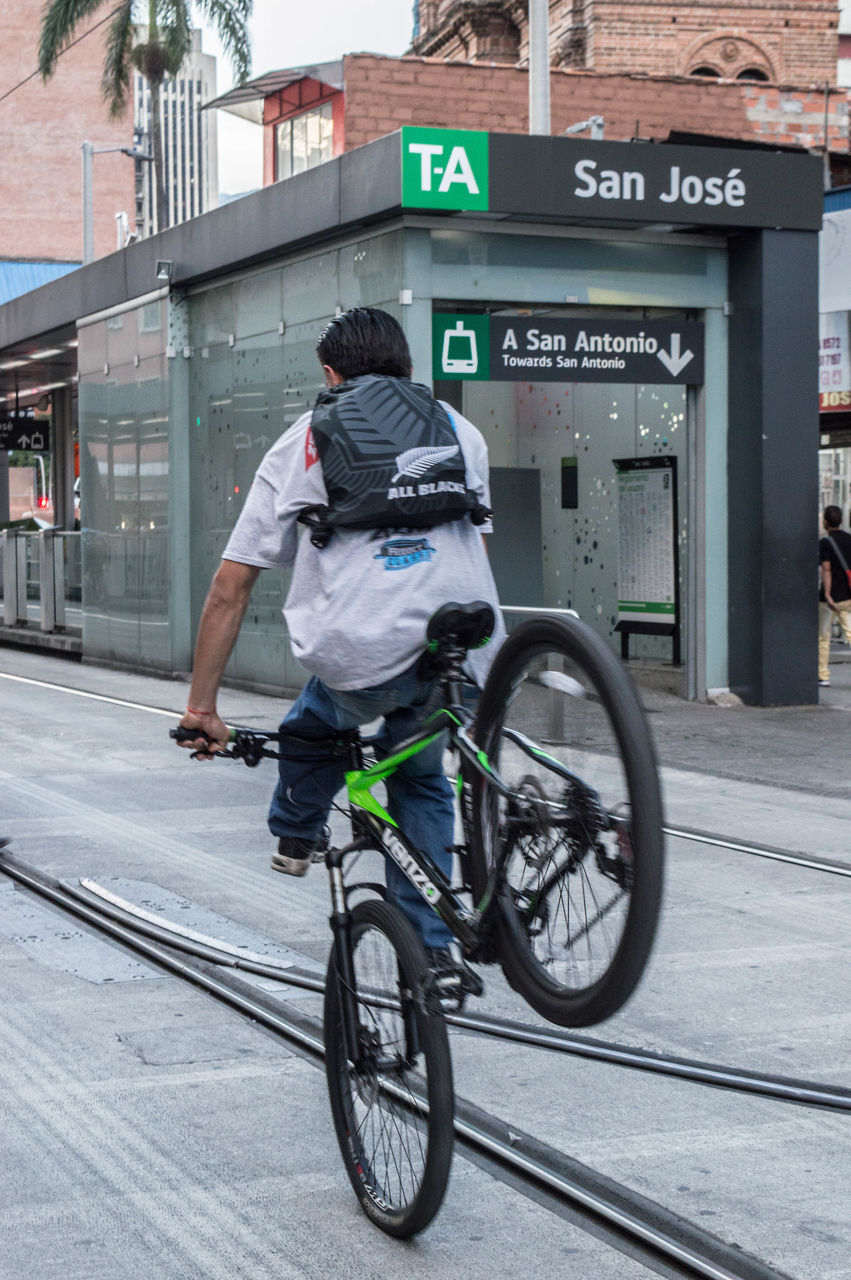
(835, 593)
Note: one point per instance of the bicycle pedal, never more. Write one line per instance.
(446, 990)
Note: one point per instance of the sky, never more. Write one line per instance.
(290, 33)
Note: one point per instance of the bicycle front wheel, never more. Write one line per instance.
(579, 839)
(391, 1093)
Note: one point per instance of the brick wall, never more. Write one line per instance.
(799, 40)
(42, 128)
(790, 40)
(384, 93)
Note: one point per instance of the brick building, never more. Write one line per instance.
(752, 39)
(42, 128)
(312, 114)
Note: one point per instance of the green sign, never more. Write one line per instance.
(444, 169)
(460, 347)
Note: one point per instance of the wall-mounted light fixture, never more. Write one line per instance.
(164, 269)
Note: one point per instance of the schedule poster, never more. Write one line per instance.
(647, 553)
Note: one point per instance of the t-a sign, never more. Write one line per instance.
(444, 169)
(567, 180)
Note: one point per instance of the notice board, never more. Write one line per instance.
(648, 561)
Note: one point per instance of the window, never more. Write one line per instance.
(704, 71)
(304, 142)
(751, 73)
(150, 317)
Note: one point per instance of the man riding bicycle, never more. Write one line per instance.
(391, 488)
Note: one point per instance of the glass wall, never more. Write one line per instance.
(534, 431)
(124, 471)
(253, 372)
(181, 398)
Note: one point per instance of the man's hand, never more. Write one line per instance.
(210, 723)
(223, 612)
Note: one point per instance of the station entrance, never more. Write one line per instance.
(589, 479)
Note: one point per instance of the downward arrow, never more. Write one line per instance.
(673, 361)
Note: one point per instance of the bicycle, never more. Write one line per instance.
(560, 870)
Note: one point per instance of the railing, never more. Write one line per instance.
(41, 573)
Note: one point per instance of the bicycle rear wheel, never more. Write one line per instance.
(580, 838)
(391, 1095)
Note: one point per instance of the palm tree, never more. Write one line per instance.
(168, 26)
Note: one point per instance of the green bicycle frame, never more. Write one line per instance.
(417, 866)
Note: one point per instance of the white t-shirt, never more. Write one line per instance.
(357, 609)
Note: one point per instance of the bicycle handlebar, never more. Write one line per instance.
(249, 745)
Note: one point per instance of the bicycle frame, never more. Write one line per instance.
(382, 831)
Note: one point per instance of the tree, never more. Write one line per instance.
(167, 25)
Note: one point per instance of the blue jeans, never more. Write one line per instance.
(419, 795)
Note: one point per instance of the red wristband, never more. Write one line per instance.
(193, 712)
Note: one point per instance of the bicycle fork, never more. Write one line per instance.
(358, 1050)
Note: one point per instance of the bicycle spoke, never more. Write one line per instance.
(392, 1107)
(581, 825)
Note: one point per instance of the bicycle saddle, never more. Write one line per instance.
(468, 625)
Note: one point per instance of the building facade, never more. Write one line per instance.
(190, 151)
(599, 309)
(748, 40)
(42, 129)
(346, 104)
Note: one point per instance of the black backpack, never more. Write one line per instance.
(390, 459)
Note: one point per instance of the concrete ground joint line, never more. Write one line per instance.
(97, 697)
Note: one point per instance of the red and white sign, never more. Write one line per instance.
(834, 365)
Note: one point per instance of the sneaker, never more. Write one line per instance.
(824, 684)
(294, 856)
(321, 845)
(452, 980)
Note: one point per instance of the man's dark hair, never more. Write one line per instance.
(832, 517)
(365, 340)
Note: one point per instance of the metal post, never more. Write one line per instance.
(51, 580)
(7, 542)
(63, 459)
(88, 205)
(539, 66)
(46, 592)
(4, 486)
(15, 578)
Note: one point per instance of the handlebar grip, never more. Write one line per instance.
(188, 735)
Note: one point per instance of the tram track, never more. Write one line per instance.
(783, 1088)
(772, 852)
(646, 1230)
(143, 923)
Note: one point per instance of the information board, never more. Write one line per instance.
(647, 545)
(545, 348)
(25, 430)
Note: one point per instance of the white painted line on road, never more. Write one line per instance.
(98, 697)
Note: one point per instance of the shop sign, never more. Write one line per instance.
(834, 401)
(547, 349)
(834, 363)
(24, 431)
(575, 180)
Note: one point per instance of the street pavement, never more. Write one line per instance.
(149, 1132)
